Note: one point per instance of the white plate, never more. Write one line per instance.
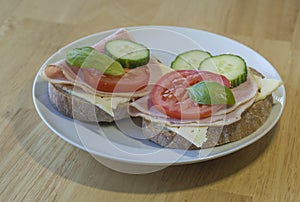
(115, 147)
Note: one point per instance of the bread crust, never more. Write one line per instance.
(79, 109)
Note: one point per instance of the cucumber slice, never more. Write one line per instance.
(189, 60)
(128, 53)
(231, 66)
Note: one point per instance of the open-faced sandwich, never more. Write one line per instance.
(96, 83)
(200, 102)
(206, 101)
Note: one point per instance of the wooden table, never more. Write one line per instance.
(36, 165)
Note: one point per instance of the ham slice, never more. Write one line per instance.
(62, 73)
(119, 34)
(244, 94)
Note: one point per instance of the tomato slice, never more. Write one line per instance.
(133, 80)
(169, 95)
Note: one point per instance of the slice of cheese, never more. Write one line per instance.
(107, 104)
(195, 135)
(266, 87)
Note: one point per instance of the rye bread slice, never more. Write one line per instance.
(251, 120)
(79, 109)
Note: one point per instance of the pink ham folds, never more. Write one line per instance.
(244, 94)
(62, 73)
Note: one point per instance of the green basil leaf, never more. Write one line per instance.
(88, 57)
(209, 92)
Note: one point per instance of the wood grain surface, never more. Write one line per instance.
(36, 165)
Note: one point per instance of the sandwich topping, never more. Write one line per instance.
(173, 94)
(189, 113)
(214, 91)
(114, 66)
(103, 73)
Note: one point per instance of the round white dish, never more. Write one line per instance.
(111, 145)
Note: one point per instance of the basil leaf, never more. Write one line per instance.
(88, 57)
(209, 92)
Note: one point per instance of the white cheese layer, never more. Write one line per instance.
(266, 87)
(107, 104)
(195, 135)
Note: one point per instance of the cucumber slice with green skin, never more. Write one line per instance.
(130, 54)
(231, 66)
(189, 60)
